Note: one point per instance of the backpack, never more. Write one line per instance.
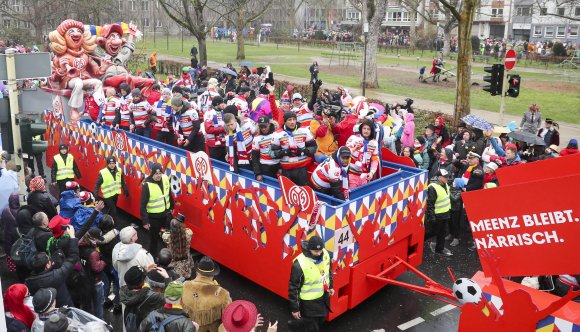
(159, 326)
(132, 318)
(22, 251)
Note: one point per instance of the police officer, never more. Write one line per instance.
(109, 182)
(156, 205)
(438, 213)
(310, 286)
(64, 168)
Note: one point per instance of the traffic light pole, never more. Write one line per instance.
(503, 92)
(15, 111)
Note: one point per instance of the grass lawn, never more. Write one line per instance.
(558, 98)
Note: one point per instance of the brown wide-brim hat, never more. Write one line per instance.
(207, 267)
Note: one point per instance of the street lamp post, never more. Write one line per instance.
(364, 82)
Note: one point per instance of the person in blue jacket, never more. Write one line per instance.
(83, 212)
(69, 200)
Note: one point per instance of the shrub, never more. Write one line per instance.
(558, 49)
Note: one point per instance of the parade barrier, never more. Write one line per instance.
(254, 228)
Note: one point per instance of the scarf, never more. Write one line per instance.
(364, 160)
(467, 173)
(236, 140)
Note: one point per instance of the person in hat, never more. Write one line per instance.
(137, 298)
(185, 79)
(45, 274)
(238, 140)
(143, 114)
(553, 151)
(490, 175)
(440, 129)
(294, 146)
(571, 148)
(243, 316)
(458, 136)
(39, 199)
(44, 303)
(69, 199)
(171, 315)
(19, 317)
(365, 155)
(512, 158)
(64, 168)
(331, 176)
(187, 125)
(57, 322)
(128, 253)
(178, 240)
(311, 283)
(106, 246)
(94, 266)
(110, 181)
(203, 298)
(215, 131)
(164, 260)
(421, 152)
(110, 111)
(323, 129)
(470, 178)
(549, 133)
(262, 162)
(438, 215)
(205, 98)
(125, 119)
(156, 205)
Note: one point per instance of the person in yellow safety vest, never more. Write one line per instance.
(156, 206)
(110, 182)
(64, 168)
(310, 286)
(438, 213)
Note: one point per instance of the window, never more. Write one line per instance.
(560, 32)
(27, 25)
(7, 23)
(561, 11)
(537, 31)
(158, 24)
(497, 12)
(573, 31)
(549, 32)
(398, 16)
(577, 11)
(132, 6)
(145, 22)
(543, 11)
(522, 11)
(145, 5)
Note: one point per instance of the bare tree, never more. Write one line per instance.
(240, 13)
(464, 12)
(568, 7)
(437, 14)
(291, 8)
(35, 13)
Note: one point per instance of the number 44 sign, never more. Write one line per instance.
(343, 238)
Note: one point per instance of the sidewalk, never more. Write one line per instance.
(567, 130)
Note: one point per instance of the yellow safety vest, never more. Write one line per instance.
(315, 276)
(443, 202)
(158, 200)
(111, 186)
(64, 170)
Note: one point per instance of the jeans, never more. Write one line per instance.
(99, 299)
(145, 132)
(111, 275)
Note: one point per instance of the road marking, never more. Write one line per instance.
(411, 323)
(443, 309)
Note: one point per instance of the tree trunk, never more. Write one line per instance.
(38, 27)
(372, 80)
(446, 42)
(463, 95)
(202, 50)
(240, 34)
(413, 29)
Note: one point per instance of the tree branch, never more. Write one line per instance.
(451, 9)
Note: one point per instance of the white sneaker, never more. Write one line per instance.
(449, 237)
(432, 246)
(445, 252)
(455, 242)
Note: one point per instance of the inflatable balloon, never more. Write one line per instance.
(260, 106)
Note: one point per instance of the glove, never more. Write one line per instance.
(364, 176)
(459, 183)
(300, 152)
(286, 152)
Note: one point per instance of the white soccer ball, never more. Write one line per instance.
(93, 129)
(467, 291)
(175, 184)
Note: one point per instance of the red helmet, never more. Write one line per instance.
(72, 185)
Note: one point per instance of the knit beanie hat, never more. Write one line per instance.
(56, 323)
(126, 234)
(217, 100)
(174, 290)
(37, 184)
(155, 279)
(135, 276)
(289, 115)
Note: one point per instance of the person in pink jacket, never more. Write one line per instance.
(408, 137)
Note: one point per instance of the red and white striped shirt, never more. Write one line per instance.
(141, 112)
(110, 109)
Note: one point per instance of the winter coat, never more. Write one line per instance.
(568, 151)
(475, 181)
(82, 215)
(69, 203)
(40, 237)
(204, 301)
(8, 220)
(144, 298)
(106, 247)
(488, 153)
(443, 132)
(463, 148)
(183, 324)
(24, 218)
(15, 325)
(127, 255)
(430, 214)
(8, 185)
(408, 137)
(55, 277)
(324, 136)
(88, 252)
(344, 129)
(42, 201)
(312, 308)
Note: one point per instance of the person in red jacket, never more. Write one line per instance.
(572, 148)
(155, 94)
(277, 112)
(215, 131)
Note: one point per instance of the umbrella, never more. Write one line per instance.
(247, 63)
(501, 130)
(228, 71)
(527, 137)
(477, 122)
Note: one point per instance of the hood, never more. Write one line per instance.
(373, 128)
(14, 201)
(409, 117)
(125, 252)
(133, 297)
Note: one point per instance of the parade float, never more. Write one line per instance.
(255, 228)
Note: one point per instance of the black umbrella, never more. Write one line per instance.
(527, 137)
(228, 71)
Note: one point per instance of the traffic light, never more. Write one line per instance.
(6, 126)
(495, 79)
(514, 85)
(27, 133)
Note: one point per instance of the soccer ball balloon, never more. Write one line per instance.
(467, 291)
(175, 184)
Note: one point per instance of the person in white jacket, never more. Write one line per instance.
(127, 253)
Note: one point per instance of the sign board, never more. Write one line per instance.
(510, 60)
(29, 65)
